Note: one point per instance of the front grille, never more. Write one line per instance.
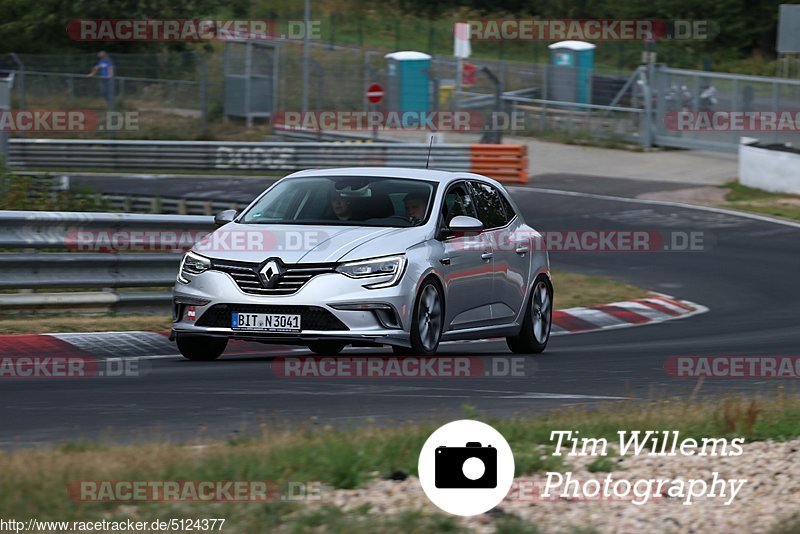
(311, 317)
(294, 277)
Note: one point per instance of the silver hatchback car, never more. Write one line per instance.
(367, 257)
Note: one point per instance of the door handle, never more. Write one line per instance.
(522, 249)
(487, 256)
(445, 261)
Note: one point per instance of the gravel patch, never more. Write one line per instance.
(770, 495)
(704, 196)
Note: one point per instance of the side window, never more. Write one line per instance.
(509, 209)
(458, 201)
(489, 203)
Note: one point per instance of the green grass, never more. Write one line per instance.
(789, 526)
(583, 138)
(572, 290)
(602, 464)
(738, 192)
(514, 525)
(34, 481)
(24, 324)
(331, 519)
(755, 200)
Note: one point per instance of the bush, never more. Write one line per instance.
(19, 192)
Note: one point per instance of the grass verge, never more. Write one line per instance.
(754, 200)
(571, 290)
(41, 324)
(35, 481)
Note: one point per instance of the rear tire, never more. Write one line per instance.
(201, 348)
(326, 348)
(535, 331)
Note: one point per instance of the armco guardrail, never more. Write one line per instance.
(502, 162)
(92, 251)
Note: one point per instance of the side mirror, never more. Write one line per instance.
(464, 225)
(224, 217)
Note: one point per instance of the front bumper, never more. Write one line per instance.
(374, 316)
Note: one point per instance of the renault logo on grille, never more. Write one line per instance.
(270, 273)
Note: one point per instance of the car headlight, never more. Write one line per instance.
(389, 265)
(192, 264)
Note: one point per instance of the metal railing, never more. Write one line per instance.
(104, 255)
(220, 155)
(258, 157)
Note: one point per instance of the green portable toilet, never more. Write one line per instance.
(408, 81)
(570, 71)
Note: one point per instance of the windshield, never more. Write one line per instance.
(345, 200)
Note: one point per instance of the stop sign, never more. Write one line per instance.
(374, 93)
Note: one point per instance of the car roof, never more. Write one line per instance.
(433, 175)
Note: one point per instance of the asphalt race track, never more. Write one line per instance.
(748, 275)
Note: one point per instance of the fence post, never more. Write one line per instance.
(20, 81)
(248, 61)
(775, 103)
(491, 135)
(319, 70)
(648, 124)
(332, 42)
(203, 91)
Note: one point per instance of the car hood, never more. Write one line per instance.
(306, 244)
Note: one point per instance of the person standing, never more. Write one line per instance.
(105, 69)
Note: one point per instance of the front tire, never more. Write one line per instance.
(201, 348)
(427, 321)
(535, 331)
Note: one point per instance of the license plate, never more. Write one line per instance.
(268, 322)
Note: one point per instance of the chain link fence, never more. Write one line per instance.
(699, 95)
(184, 95)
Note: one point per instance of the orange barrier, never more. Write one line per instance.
(504, 163)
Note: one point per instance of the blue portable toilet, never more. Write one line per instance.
(408, 81)
(571, 65)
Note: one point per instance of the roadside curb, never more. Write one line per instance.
(656, 308)
(155, 344)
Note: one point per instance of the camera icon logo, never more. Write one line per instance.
(466, 467)
(472, 466)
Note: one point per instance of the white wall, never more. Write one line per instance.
(770, 170)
